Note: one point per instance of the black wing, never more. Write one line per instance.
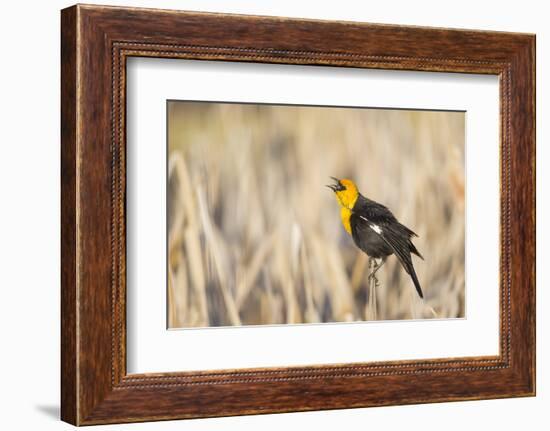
(396, 236)
(381, 215)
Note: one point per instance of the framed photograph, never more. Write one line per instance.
(264, 215)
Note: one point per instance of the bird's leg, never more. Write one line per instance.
(377, 266)
(371, 312)
(372, 265)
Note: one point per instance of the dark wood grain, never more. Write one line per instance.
(96, 41)
(69, 371)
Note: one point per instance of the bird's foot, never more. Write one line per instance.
(375, 267)
(373, 278)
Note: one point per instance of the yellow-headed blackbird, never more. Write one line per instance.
(374, 228)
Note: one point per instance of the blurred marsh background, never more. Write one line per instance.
(255, 237)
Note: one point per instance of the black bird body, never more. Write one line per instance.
(375, 230)
(363, 235)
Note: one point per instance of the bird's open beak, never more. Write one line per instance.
(334, 187)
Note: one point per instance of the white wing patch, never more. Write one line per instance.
(375, 228)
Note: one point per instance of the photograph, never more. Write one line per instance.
(295, 214)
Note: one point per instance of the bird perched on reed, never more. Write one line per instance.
(374, 229)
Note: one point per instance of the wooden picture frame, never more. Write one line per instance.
(96, 41)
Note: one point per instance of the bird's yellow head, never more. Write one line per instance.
(346, 192)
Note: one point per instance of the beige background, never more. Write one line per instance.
(255, 237)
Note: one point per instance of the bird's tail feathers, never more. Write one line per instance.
(415, 251)
(412, 273)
